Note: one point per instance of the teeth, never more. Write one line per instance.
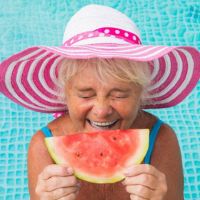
(102, 124)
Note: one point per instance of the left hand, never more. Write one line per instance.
(145, 182)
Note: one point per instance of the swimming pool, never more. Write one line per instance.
(24, 23)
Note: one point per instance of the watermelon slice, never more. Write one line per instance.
(100, 157)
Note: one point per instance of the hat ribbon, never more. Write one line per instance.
(105, 32)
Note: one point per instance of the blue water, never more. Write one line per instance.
(41, 22)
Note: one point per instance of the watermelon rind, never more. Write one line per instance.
(51, 150)
(92, 179)
(137, 158)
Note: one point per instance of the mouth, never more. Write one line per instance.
(102, 125)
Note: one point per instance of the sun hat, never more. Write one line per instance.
(30, 77)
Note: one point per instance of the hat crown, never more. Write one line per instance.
(92, 17)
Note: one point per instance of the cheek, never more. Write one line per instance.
(78, 109)
(128, 109)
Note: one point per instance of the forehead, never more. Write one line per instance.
(89, 78)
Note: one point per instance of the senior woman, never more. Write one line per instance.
(102, 78)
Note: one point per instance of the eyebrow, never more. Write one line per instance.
(120, 90)
(84, 89)
(112, 90)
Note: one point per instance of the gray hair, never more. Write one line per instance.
(121, 69)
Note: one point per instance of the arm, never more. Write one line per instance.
(167, 159)
(46, 179)
(163, 179)
(38, 159)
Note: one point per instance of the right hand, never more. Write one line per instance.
(57, 182)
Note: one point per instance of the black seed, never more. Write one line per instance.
(101, 154)
(78, 155)
(114, 138)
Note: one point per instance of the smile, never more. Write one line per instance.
(96, 124)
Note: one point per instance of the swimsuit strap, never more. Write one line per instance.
(153, 134)
(47, 132)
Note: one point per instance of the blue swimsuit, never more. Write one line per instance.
(152, 139)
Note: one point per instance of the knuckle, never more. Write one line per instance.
(39, 187)
(145, 178)
(37, 190)
(139, 189)
(163, 177)
(47, 169)
(129, 189)
(148, 168)
(73, 181)
(40, 176)
(165, 188)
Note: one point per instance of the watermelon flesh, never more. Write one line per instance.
(100, 157)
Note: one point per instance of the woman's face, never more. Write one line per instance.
(95, 106)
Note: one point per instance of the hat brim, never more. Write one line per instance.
(29, 77)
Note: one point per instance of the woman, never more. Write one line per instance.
(106, 94)
(102, 78)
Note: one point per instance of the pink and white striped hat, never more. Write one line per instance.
(29, 77)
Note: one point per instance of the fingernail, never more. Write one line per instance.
(70, 170)
(78, 184)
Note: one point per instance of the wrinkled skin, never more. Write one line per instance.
(92, 103)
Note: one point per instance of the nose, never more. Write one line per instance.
(102, 108)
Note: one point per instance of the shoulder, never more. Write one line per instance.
(166, 146)
(167, 140)
(37, 148)
(167, 135)
(61, 125)
(58, 126)
(166, 150)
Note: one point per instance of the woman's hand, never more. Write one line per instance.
(145, 182)
(57, 182)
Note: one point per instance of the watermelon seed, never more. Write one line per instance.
(114, 138)
(101, 154)
(78, 155)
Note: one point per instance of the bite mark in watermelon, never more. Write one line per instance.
(100, 157)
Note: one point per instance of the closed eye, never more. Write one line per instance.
(119, 97)
(85, 97)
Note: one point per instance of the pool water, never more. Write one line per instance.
(41, 22)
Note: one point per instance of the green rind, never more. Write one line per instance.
(86, 177)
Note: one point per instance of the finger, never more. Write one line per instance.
(135, 197)
(140, 191)
(141, 169)
(62, 192)
(55, 170)
(142, 179)
(45, 196)
(71, 196)
(59, 182)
